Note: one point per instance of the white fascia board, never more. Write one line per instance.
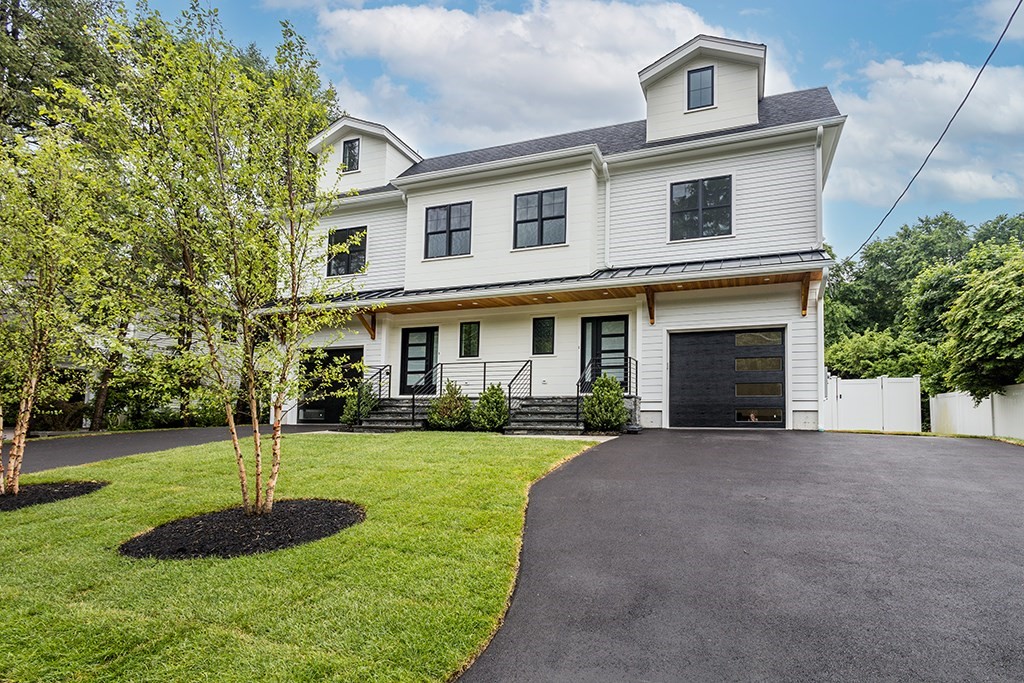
(706, 46)
(365, 127)
(832, 136)
(346, 201)
(727, 139)
(530, 161)
(608, 283)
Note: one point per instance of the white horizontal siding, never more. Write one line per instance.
(735, 101)
(492, 258)
(774, 208)
(766, 306)
(385, 242)
(373, 164)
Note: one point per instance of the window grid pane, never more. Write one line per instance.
(448, 230)
(349, 263)
(469, 340)
(700, 208)
(350, 155)
(700, 88)
(540, 219)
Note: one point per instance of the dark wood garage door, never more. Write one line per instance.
(732, 378)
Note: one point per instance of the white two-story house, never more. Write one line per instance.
(681, 253)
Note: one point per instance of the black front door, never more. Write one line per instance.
(419, 354)
(734, 378)
(324, 402)
(605, 345)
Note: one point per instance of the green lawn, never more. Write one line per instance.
(411, 594)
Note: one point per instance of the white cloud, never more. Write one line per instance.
(993, 15)
(904, 109)
(458, 80)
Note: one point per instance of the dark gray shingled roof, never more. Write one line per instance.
(775, 110)
(816, 258)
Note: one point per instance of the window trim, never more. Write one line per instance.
(714, 87)
(732, 208)
(533, 335)
(362, 245)
(462, 326)
(359, 153)
(448, 231)
(540, 219)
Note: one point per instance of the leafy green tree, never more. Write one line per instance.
(887, 267)
(1001, 229)
(986, 330)
(42, 41)
(51, 202)
(876, 353)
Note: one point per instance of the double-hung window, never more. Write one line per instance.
(701, 208)
(469, 340)
(540, 218)
(448, 229)
(350, 154)
(700, 88)
(353, 258)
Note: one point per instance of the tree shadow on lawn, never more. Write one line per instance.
(232, 533)
(38, 494)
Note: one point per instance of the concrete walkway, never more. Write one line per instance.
(45, 454)
(771, 556)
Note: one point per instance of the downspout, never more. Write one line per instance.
(607, 214)
(820, 307)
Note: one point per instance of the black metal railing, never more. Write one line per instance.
(372, 390)
(520, 386)
(473, 377)
(625, 370)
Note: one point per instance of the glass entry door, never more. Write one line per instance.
(605, 346)
(419, 354)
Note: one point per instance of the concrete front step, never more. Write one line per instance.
(546, 431)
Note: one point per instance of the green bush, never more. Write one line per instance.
(451, 410)
(353, 404)
(604, 409)
(491, 411)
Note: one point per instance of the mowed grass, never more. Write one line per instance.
(411, 594)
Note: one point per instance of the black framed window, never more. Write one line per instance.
(543, 336)
(469, 340)
(701, 208)
(700, 88)
(540, 218)
(350, 154)
(352, 261)
(448, 230)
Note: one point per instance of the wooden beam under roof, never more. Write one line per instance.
(649, 293)
(369, 325)
(805, 289)
(467, 301)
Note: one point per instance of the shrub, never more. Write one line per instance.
(349, 414)
(491, 411)
(451, 410)
(604, 409)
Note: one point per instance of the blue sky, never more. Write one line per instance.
(448, 76)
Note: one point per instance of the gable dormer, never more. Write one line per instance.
(362, 155)
(708, 84)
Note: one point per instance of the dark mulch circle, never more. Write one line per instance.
(37, 494)
(230, 533)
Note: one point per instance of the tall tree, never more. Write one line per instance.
(45, 40)
(50, 204)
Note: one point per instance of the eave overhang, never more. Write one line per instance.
(707, 47)
(503, 166)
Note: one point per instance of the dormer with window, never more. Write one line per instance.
(363, 155)
(706, 85)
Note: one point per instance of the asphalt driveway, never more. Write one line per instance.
(45, 454)
(771, 556)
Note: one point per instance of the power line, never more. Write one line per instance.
(942, 135)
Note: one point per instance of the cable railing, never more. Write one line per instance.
(372, 390)
(520, 386)
(515, 377)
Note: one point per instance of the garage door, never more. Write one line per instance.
(732, 378)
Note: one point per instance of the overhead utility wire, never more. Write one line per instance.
(944, 131)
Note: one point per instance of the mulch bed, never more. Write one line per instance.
(37, 494)
(230, 533)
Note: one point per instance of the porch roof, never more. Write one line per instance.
(606, 283)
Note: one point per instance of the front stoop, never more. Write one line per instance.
(554, 415)
(395, 415)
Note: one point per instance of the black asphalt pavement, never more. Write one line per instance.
(771, 556)
(47, 453)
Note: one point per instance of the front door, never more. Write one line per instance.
(419, 354)
(605, 347)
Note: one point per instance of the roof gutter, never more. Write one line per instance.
(492, 167)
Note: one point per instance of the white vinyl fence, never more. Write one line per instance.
(885, 404)
(997, 415)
